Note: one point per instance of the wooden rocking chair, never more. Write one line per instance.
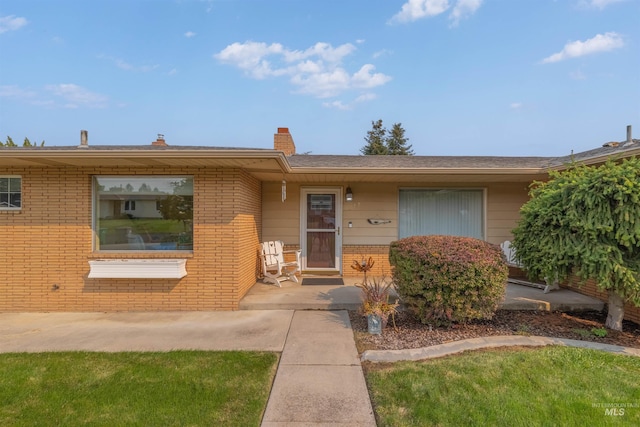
(273, 264)
(510, 255)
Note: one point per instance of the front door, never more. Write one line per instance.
(321, 234)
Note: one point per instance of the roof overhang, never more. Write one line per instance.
(253, 161)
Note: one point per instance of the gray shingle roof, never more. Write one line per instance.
(371, 163)
(597, 152)
(417, 162)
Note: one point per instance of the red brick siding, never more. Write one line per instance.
(590, 288)
(379, 254)
(49, 242)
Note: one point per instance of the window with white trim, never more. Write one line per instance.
(10, 192)
(447, 211)
(133, 213)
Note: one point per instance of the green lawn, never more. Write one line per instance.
(182, 388)
(144, 225)
(550, 386)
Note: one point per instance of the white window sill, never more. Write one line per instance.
(138, 268)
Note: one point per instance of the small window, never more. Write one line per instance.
(134, 213)
(10, 192)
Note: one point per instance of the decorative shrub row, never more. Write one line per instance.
(445, 279)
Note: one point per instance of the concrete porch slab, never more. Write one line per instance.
(293, 296)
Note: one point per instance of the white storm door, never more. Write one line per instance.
(321, 220)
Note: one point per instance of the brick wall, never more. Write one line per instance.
(49, 242)
(379, 254)
(590, 288)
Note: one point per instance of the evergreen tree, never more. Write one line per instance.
(376, 139)
(584, 222)
(397, 143)
(26, 143)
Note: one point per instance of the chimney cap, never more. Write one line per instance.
(160, 142)
(283, 130)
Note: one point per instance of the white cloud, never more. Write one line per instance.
(189, 34)
(124, 65)
(383, 52)
(515, 105)
(339, 105)
(413, 10)
(600, 4)
(463, 9)
(599, 43)
(76, 96)
(173, 72)
(66, 95)
(27, 96)
(11, 23)
(315, 71)
(17, 93)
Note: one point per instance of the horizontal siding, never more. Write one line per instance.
(281, 221)
(503, 210)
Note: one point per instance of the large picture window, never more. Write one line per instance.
(10, 192)
(446, 212)
(143, 213)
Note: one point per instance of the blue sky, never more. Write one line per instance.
(464, 77)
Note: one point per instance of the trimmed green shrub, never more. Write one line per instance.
(445, 279)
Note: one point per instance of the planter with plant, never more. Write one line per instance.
(376, 298)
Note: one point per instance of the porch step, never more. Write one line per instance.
(526, 283)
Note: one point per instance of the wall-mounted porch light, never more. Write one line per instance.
(348, 195)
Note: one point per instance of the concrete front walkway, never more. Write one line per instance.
(319, 380)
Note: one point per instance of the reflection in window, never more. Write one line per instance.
(144, 213)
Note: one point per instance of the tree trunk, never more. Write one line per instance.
(616, 312)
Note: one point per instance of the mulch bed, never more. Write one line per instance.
(410, 333)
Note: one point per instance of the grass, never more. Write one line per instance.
(516, 387)
(182, 388)
(144, 225)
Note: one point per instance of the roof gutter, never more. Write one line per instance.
(421, 171)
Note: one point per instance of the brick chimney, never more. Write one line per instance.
(282, 141)
(160, 141)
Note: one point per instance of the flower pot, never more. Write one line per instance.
(374, 324)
